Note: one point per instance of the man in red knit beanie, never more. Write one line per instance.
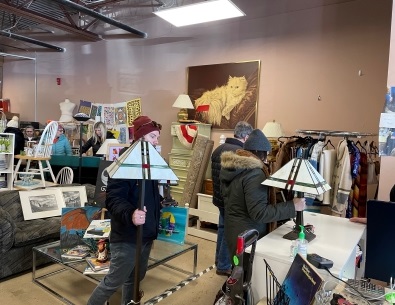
(143, 125)
(122, 202)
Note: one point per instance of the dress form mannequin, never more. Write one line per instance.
(66, 109)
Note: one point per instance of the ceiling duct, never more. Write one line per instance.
(32, 41)
(101, 17)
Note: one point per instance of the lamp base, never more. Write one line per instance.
(182, 115)
(295, 235)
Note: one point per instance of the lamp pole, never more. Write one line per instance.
(80, 157)
(80, 117)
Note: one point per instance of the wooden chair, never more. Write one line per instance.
(65, 176)
(42, 154)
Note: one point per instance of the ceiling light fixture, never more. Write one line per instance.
(200, 12)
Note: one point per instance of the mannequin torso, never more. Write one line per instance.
(66, 109)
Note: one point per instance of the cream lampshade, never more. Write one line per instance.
(183, 102)
(273, 131)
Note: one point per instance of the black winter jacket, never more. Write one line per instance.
(246, 198)
(95, 147)
(231, 144)
(122, 200)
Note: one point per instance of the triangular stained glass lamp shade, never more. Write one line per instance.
(141, 161)
(300, 176)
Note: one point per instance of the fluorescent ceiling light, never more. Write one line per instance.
(200, 12)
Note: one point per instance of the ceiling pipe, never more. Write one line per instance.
(101, 17)
(32, 41)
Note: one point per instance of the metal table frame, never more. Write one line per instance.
(72, 265)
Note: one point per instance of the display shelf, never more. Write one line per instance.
(6, 161)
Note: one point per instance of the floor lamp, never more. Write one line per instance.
(300, 176)
(81, 118)
(140, 161)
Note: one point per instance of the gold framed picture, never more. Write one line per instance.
(224, 94)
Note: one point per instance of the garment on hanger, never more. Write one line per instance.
(341, 181)
(326, 168)
(360, 188)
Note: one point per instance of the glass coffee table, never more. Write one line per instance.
(161, 253)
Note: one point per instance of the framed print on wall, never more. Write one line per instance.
(41, 203)
(226, 93)
(113, 150)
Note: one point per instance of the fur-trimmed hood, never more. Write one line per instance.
(235, 163)
(241, 159)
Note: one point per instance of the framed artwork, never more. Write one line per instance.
(41, 203)
(74, 196)
(73, 224)
(224, 94)
(113, 150)
(173, 224)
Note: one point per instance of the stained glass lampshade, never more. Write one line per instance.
(300, 176)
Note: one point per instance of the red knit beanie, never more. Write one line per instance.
(144, 125)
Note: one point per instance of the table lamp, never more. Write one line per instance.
(103, 150)
(183, 102)
(300, 176)
(140, 161)
(273, 131)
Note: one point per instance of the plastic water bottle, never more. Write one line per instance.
(302, 243)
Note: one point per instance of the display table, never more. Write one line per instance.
(337, 240)
(160, 254)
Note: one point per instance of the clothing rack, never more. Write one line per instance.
(335, 133)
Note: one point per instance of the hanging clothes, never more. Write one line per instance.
(326, 168)
(360, 188)
(286, 152)
(341, 181)
(355, 157)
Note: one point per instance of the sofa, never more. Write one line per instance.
(18, 237)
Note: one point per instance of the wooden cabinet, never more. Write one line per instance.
(7, 142)
(206, 212)
(180, 157)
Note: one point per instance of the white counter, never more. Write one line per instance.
(337, 239)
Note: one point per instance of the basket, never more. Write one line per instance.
(274, 291)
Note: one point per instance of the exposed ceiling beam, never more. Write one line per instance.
(32, 41)
(89, 12)
(49, 21)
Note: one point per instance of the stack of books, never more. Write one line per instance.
(77, 252)
(96, 267)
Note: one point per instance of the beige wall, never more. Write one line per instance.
(304, 53)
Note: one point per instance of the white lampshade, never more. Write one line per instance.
(141, 161)
(103, 150)
(300, 176)
(183, 101)
(200, 12)
(273, 130)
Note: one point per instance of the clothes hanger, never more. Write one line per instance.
(361, 147)
(330, 143)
